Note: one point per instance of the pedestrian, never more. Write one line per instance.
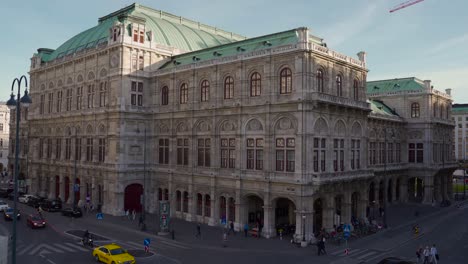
(246, 229)
(323, 246)
(320, 245)
(419, 254)
(127, 214)
(426, 255)
(434, 254)
(140, 220)
(198, 235)
(133, 214)
(231, 228)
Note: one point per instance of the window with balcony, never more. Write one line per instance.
(255, 153)
(319, 156)
(228, 153)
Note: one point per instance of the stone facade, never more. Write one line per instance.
(4, 136)
(460, 116)
(274, 135)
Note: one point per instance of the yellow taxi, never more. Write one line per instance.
(112, 254)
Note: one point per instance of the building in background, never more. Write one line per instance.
(460, 116)
(274, 130)
(4, 137)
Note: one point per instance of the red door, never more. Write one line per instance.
(57, 186)
(132, 198)
(67, 188)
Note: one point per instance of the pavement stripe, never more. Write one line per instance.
(64, 247)
(136, 245)
(76, 247)
(173, 244)
(28, 247)
(367, 254)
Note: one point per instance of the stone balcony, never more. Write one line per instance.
(339, 176)
(339, 101)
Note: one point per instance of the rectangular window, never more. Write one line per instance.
(69, 99)
(355, 154)
(102, 94)
(141, 62)
(79, 97)
(382, 156)
(255, 153)
(398, 152)
(411, 153)
(164, 151)
(285, 154)
(91, 96)
(338, 154)
(68, 148)
(41, 104)
(134, 62)
(228, 153)
(58, 149)
(77, 148)
(89, 149)
(204, 147)
(50, 103)
(390, 152)
(59, 101)
(182, 151)
(319, 157)
(102, 149)
(419, 153)
(49, 148)
(137, 93)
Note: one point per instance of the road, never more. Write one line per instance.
(59, 243)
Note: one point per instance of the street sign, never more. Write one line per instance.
(76, 188)
(99, 216)
(223, 221)
(346, 231)
(146, 242)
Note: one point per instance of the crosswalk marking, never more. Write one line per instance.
(44, 246)
(24, 250)
(79, 247)
(64, 247)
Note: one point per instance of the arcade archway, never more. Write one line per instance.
(132, 197)
(415, 189)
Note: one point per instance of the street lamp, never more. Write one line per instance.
(144, 180)
(13, 104)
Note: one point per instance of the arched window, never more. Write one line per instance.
(435, 109)
(339, 85)
(228, 88)
(165, 95)
(255, 84)
(205, 91)
(319, 77)
(183, 93)
(441, 110)
(356, 89)
(285, 81)
(415, 110)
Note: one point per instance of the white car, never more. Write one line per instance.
(3, 206)
(24, 198)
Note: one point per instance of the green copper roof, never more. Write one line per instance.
(378, 107)
(460, 108)
(395, 85)
(235, 48)
(167, 30)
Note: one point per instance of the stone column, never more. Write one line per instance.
(428, 190)
(191, 205)
(239, 219)
(445, 188)
(346, 209)
(267, 230)
(70, 191)
(328, 213)
(203, 209)
(450, 189)
(213, 221)
(62, 188)
(394, 188)
(403, 191)
(362, 205)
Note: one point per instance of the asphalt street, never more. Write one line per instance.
(59, 243)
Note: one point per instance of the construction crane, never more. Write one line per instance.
(405, 4)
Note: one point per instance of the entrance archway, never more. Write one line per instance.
(57, 186)
(354, 205)
(318, 216)
(255, 209)
(285, 217)
(132, 197)
(389, 191)
(371, 193)
(67, 188)
(415, 189)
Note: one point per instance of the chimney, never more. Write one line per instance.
(362, 56)
(427, 84)
(448, 91)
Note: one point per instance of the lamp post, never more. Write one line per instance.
(12, 105)
(143, 213)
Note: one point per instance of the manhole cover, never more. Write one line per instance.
(80, 234)
(138, 253)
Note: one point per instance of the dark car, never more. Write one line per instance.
(8, 214)
(5, 192)
(51, 205)
(395, 260)
(35, 221)
(73, 212)
(12, 194)
(36, 201)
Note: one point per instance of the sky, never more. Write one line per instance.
(428, 40)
